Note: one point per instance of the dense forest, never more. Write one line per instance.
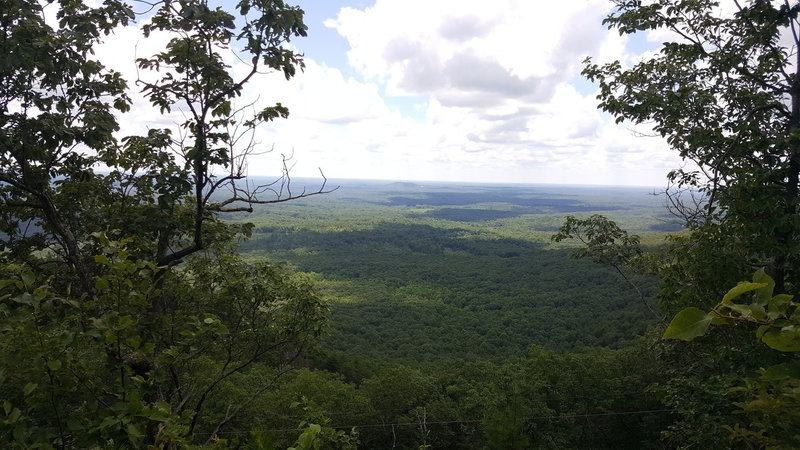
(487, 282)
(150, 297)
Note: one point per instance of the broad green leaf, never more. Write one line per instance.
(30, 387)
(779, 304)
(764, 294)
(782, 371)
(133, 342)
(102, 259)
(134, 434)
(101, 284)
(717, 320)
(40, 294)
(27, 278)
(308, 440)
(688, 324)
(786, 339)
(760, 276)
(54, 364)
(740, 289)
(125, 322)
(25, 298)
(742, 310)
(758, 312)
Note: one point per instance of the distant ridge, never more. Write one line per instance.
(405, 184)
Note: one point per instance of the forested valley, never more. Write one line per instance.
(153, 296)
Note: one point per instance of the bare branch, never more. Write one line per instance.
(280, 190)
(688, 204)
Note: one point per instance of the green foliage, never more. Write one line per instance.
(772, 398)
(541, 400)
(415, 290)
(606, 243)
(772, 402)
(700, 405)
(421, 305)
(318, 435)
(776, 314)
(121, 356)
(688, 324)
(121, 288)
(140, 327)
(603, 241)
(505, 420)
(717, 94)
(723, 93)
(164, 189)
(85, 353)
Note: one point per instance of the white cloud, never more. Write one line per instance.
(418, 46)
(496, 83)
(499, 82)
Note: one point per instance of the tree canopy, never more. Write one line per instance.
(129, 320)
(724, 92)
(122, 286)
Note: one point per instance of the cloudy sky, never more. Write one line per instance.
(451, 90)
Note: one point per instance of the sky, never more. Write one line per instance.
(443, 90)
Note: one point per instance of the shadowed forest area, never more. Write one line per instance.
(412, 286)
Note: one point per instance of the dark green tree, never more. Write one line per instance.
(122, 288)
(60, 111)
(724, 92)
